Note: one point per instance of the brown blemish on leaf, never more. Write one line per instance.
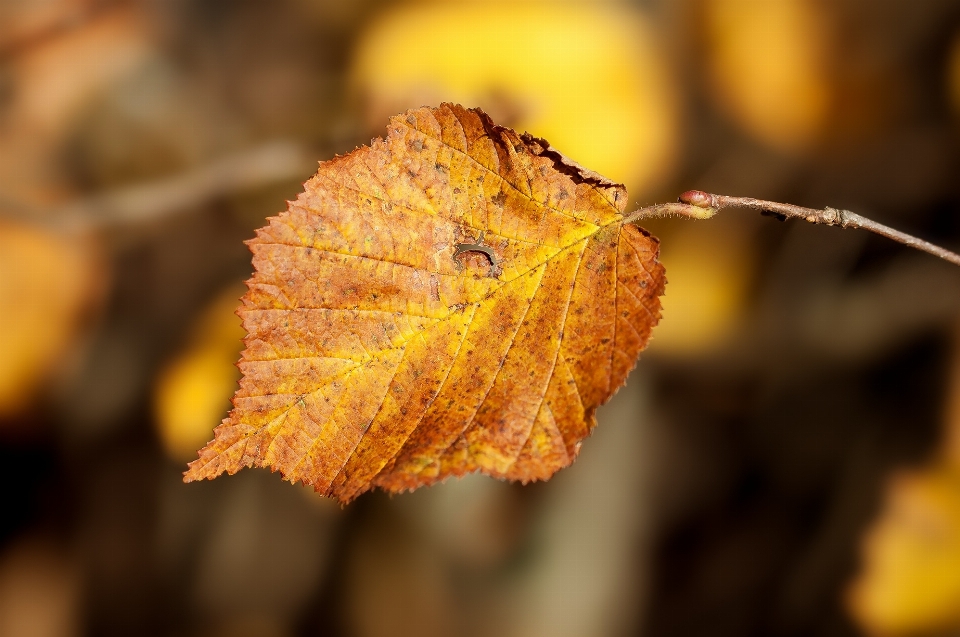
(467, 248)
(382, 364)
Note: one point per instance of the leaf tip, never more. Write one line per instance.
(190, 475)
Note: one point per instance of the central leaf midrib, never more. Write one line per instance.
(437, 319)
(380, 354)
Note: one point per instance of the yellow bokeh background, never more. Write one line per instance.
(193, 390)
(49, 282)
(588, 77)
(768, 68)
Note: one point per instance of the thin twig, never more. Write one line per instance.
(270, 163)
(263, 165)
(697, 204)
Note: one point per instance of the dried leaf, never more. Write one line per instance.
(453, 298)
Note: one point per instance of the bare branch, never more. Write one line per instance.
(696, 204)
(260, 166)
(264, 165)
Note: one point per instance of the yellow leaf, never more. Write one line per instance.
(453, 298)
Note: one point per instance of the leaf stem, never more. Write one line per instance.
(696, 204)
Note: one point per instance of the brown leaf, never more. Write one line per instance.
(453, 298)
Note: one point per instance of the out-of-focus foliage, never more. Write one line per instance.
(790, 75)
(952, 438)
(48, 283)
(709, 272)
(953, 76)
(910, 584)
(768, 67)
(910, 581)
(54, 73)
(192, 392)
(39, 590)
(587, 76)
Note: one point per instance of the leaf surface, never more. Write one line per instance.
(453, 298)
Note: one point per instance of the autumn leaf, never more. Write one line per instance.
(453, 298)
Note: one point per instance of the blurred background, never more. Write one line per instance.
(785, 460)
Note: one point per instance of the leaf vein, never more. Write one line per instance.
(503, 361)
(556, 357)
